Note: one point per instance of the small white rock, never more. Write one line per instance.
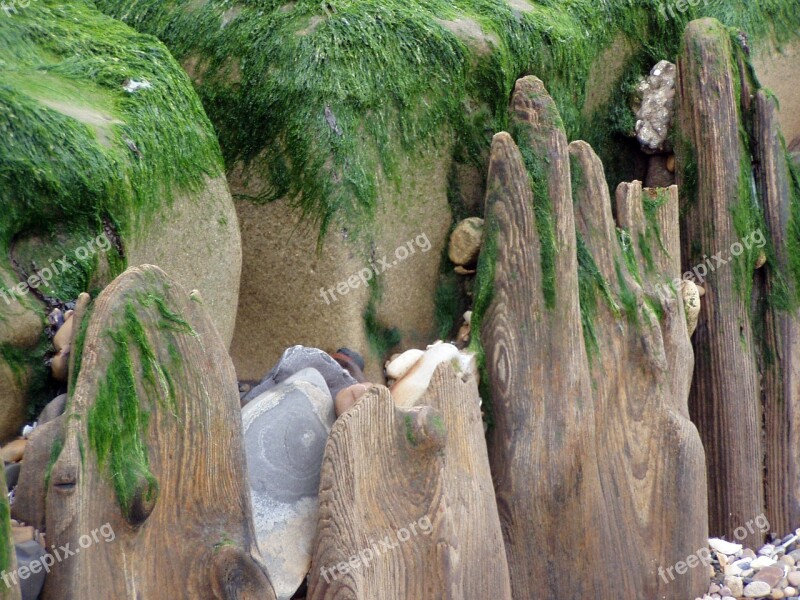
(724, 546)
(757, 589)
(401, 365)
(761, 562)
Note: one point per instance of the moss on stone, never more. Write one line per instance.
(69, 129)
(381, 338)
(324, 86)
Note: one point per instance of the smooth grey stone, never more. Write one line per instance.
(55, 408)
(285, 432)
(296, 359)
(12, 475)
(27, 552)
(313, 377)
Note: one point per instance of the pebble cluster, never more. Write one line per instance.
(771, 572)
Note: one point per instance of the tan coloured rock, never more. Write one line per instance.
(691, 302)
(64, 334)
(13, 451)
(196, 240)
(347, 397)
(465, 242)
(278, 246)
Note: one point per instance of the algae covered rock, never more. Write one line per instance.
(106, 156)
(351, 128)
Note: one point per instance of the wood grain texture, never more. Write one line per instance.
(725, 395)
(652, 461)
(592, 454)
(194, 538)
(482, 568)
(542, 448)
(382, 477)
(781, 374)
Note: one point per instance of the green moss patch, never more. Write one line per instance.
(5, 533)
(324, 87)
(118, 421)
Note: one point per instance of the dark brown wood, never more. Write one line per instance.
(725, 397)
(542, 449)
(781, 364)
(381, 482)
(187, 533)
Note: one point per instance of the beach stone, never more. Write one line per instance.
(465, 242)
(348, 396)
(691, 304)
(789, 591)
(654, 114)
(794, 578)
(724, 546)
(771, 575)
(761, 562)
(734, 584)
(27, 552)
(12, 475)
(285, 432)
(296, 359)
(757, 589)
(53, 409)
(13, 451)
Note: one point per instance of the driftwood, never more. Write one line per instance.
(482, 569)
(384, 531)
(153, 459)
(725, 401)
(781, 380)
(590, 450)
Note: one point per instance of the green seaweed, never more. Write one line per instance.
(6, 543)
(338, 91)
(118, 421)
(591, 287)
(381, 338)
(55, 452)
(483, 296)
(538, 176)
(58, 164)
